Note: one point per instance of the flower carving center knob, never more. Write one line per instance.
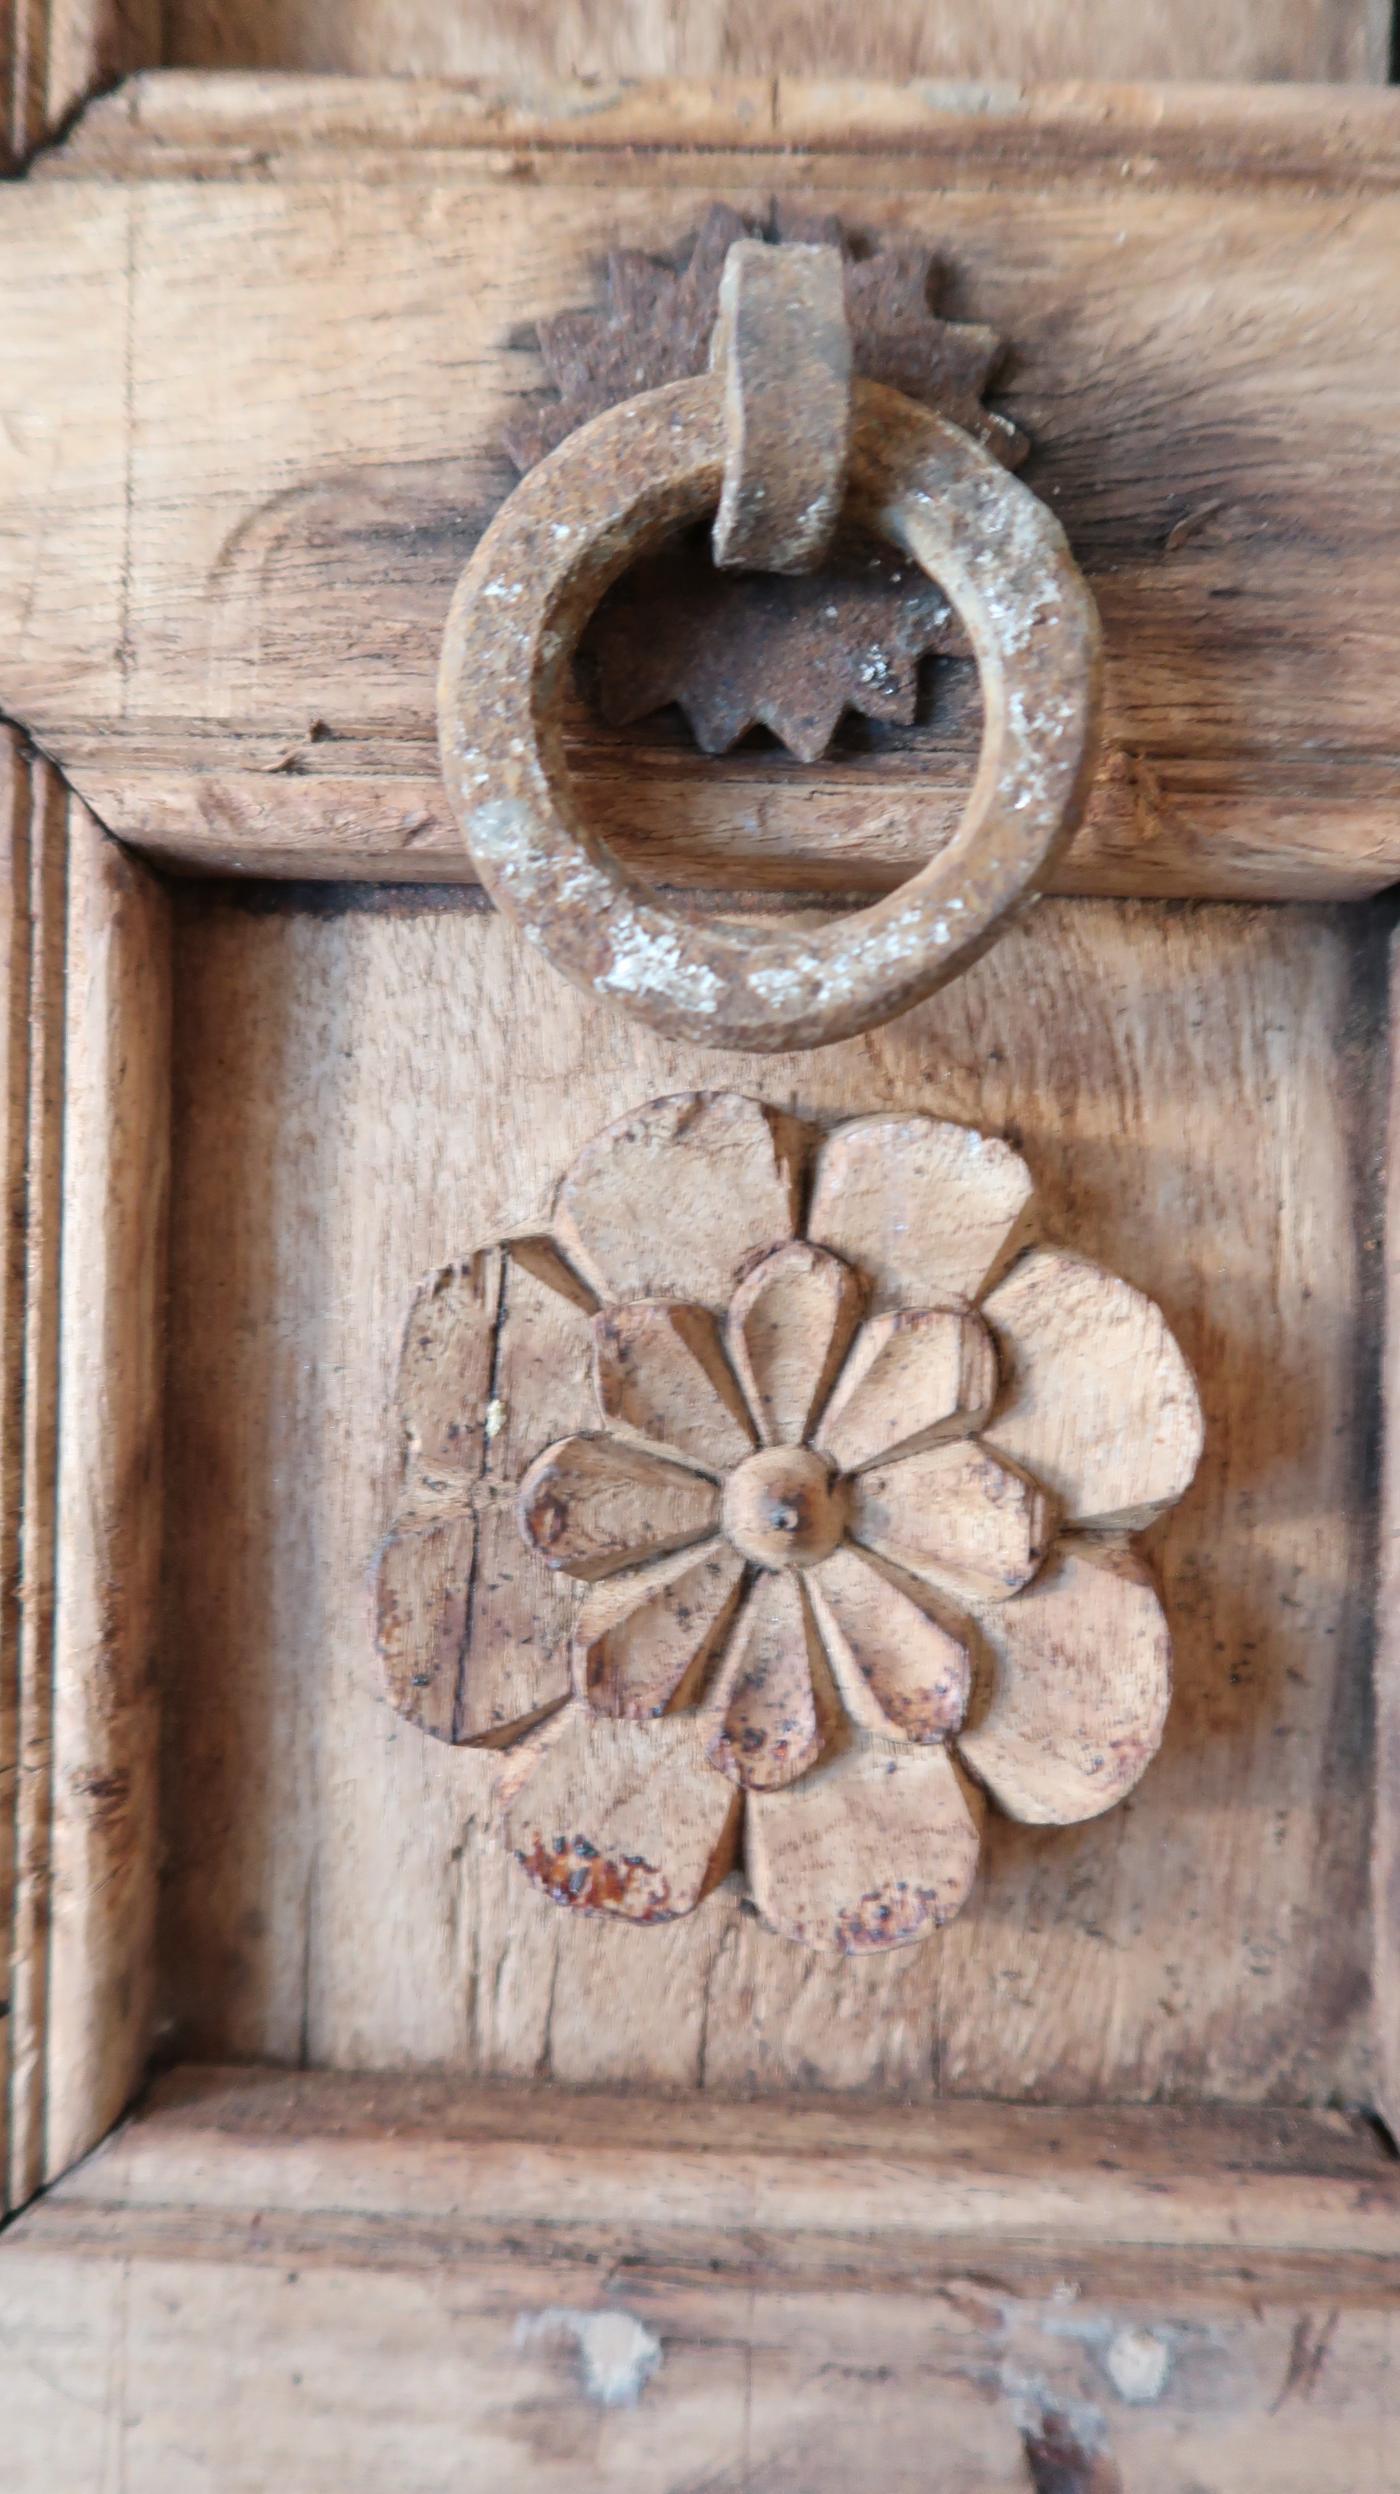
(784, 1507)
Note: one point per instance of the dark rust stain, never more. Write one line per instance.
(573, 1871)
(1059, 2460)
(885, 1916)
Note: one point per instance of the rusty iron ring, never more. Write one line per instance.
(613, 491)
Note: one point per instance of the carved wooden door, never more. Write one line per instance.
(575, 1602)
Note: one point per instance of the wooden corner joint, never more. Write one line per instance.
(841, 1547)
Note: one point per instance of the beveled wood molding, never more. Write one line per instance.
(732, 2181)
(1385, 1846)
(54, 54)
(84, 1020)
(1070, 2295)
(195, 652)
(173, 121)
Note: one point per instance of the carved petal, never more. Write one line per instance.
(642, 1636)
(771, 1710)
(790, 1324)
(1083, 1679)
(895, 1667)
(445, 1365)
(591, 1505)
(662, 1375)
(447, 1664)
(876, 1849)
(421, 1576)
(954, 1515)
(926, 1209)
(1101, 1403)
(671, 1201)
(915, 1375)
(620, 1818)
(472, 1631)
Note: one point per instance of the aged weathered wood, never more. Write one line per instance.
(335, 1886)
(1082, 1680)
(788, 1330)
(556, 2289)
(956, 1517)
(1019, 39)
(54, 54)
(936, 1363)
(177, 123)
(1075, 1369)
(592, 1505)
(1192, 284)
(1385, 1887)
(295, 2144)
(1105, 1410)
(41, 901)
(572, 2293)
(104, 1841)
(16, 811)
(85, 1163)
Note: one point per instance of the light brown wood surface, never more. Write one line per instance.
(224, 575)
(87, 1094)
(1385, 1892)
(16, 825)
(348, 2285)
(795, 1622)
(54, 54)
(116, 1143)
(709, 38)
(38, 901)
(407, 1078)
(354, 2286)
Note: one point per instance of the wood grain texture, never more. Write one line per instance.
(116, 1142)
(426, 2148)
(15, 824)
(823, 1662)
(84, 1140)
(407, 1078)
(54, 54)
(1242, 39)
(223, 582)
(1385, 1896)
(548, 2291)
(37, 1344)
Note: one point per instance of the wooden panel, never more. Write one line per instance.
(1386, 1891)
(36, 1206)
(15, 824)
(116, 1138)
(651, 38)
(734, 2175)
(86, 1137)
(230, 535)
(548, 2292)
(363, 1092)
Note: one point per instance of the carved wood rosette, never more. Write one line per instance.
(770, 1508)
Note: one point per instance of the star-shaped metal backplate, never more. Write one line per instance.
(737, 650)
